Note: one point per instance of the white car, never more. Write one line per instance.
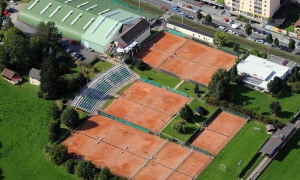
(251, 38)
(13, 2)
(231, 32)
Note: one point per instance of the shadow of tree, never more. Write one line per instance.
(285, 114)
(1, 172)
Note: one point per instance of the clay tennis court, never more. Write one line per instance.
(127, 151)
(146, 105)
(219, 132)
(192, 60)
(227, 124)
(160, 49)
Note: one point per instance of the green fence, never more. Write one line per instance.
(169, 73)
(150, 38)
(201, 42)
(199, 149)
(176, 33)
(177, 92)
(199, 84)
(124, 122)
(212, 117)
(124, 4)
(228, 51)
(235, 113)
(150, 82)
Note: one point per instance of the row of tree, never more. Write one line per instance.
(82, 168)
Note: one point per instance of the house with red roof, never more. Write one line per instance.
(11, 76)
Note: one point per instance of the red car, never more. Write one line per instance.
(74, 41)
(188, 6)
(164, 8)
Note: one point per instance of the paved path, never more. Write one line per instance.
(179, 84)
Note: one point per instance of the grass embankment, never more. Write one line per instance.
(242, 148)
(23, 136)
(247, 43)
(286, 164)
(260, 102)
(145, 7)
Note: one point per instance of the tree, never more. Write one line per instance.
(179, 125)
(221, 38)
(54, 111)
(81, 79)
(196, 89)
(53, 130)
(70, 165)
(275, 85)
(233, 73)
(219, 84)
(199, 16)
(276, 42)
(269, 38)
(8, 24)
(295, 87)
(63, 68)
(49, 88)
(140, 65)
(295, 75)
(186, 113)
(263, 54)
(275, 108)
(59, 154)
(86, 170)
(292, 45)
(105, 174)
(254, 52)
(248, 29)
(16, 52)
(69, 117)
(208, 18)
(47, 35)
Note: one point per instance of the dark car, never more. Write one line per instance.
(242, 35)
(254, 29)
(214, 25)
(283, 48)
(204, 22)
(264, 32)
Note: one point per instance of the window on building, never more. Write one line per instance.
(264, 13)
(265, 5)
(265, 10)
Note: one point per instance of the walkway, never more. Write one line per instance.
(179, 84)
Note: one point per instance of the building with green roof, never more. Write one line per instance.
(73, 17)
(106, 28)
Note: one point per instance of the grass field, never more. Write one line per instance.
(260, 102)
(25, 85)
(158, 77)
(242, 147)
(286, 164)
(236, 39)
(23, 134)
(145, 7)
(98, 67)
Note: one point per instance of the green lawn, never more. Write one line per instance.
(25, 85)
(108, 102)
(23, 136)
(158, 77)
(145, 7)
(242, 147)
(188, 88)
(260, 102)
(98, 67)
(286, 164)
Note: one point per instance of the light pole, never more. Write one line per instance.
(139, 4)
(238, 175)
(269, 49)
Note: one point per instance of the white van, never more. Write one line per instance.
(234, 26)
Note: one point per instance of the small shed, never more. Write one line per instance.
(270, 128)
(11, 76)
(200, 110)
(35, 76)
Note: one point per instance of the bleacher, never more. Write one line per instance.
(91, 95)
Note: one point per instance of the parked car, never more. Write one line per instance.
(176, 9)
(74, 41)
(223, 28)
(251, 38)
(215, 7)
(4, 17)
(234, 26)
(10, 9)
(6, 13)
(231, 31)
(174, 5)
(188, 6)
(196, 10)
(264, 32)
(180, 4)
(68, 50)
(254, 29)
(204, 22)
(261, 41)
(242, 35)
(226, 19)
(164, 8)
(13, 2)
(181, 14)
(90, 49)
(214, 25)
(283, 48)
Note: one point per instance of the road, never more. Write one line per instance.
(217, 17)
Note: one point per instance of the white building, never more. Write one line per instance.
(258, 72)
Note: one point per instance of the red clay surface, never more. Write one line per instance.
(125, 150)
(227, 124)
(145, 105)
(214, 137)
(160, 49)
(192, 60)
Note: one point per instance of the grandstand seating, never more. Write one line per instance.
(91, 95)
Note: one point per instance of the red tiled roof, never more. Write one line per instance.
(297, 23)
(8, 73)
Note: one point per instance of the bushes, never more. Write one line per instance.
(242, 18)
(70, 166)
(58, 154)
(245, 111)
(70, 117)
(53, 130)
(86, 170)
